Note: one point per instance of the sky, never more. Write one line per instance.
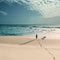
(29, 11)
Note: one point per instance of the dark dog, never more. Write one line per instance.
(43, 37)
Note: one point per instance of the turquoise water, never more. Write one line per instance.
(24, 29)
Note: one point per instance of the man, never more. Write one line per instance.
(36, 36)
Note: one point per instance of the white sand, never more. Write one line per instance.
(11, 48)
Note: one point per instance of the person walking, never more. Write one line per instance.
(36, 36)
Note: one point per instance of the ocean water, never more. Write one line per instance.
(25, 29)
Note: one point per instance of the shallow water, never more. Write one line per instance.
(25, 29)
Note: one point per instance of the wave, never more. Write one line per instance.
(24, 29)
(31, 25)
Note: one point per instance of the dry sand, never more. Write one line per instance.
(28, 48)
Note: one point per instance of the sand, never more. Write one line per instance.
(28, 48)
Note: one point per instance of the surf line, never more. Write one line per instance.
(50, 53)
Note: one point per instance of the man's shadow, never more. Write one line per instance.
(27, 42)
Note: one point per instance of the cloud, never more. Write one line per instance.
(47, 8)
(4, 13)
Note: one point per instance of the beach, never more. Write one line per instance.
(29, 29)
(28, 48)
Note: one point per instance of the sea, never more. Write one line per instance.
(26, 29)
